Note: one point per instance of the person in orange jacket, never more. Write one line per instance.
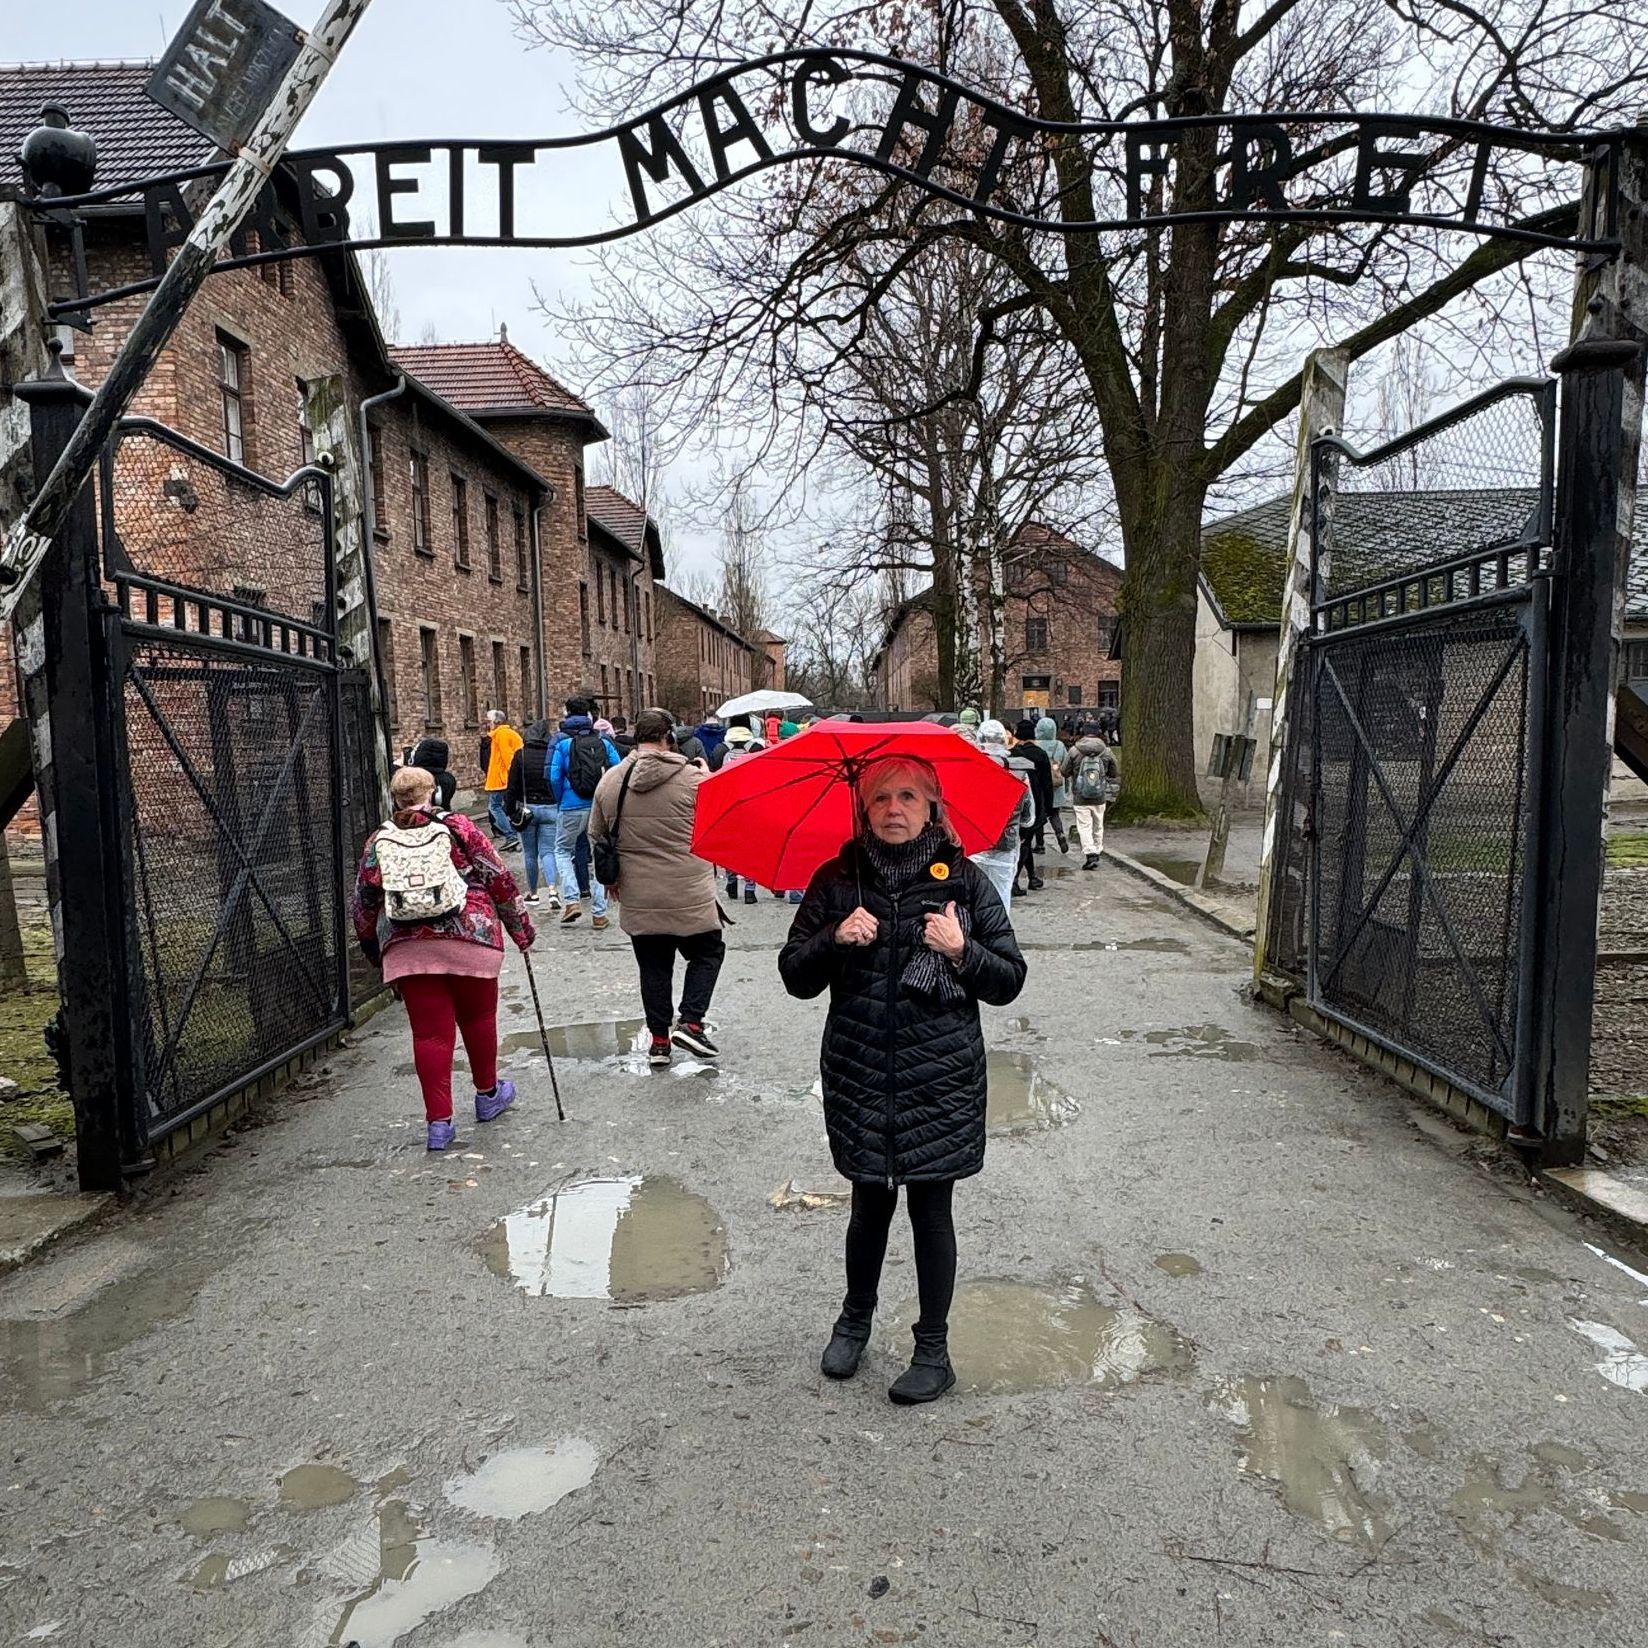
(501, 744)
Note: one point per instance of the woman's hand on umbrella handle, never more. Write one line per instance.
(944, 934)
(859, 928)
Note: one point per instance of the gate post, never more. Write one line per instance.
(1600, 434)
(111, 1135)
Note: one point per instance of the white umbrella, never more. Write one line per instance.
(758, 703)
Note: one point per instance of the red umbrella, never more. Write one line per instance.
(776, 816)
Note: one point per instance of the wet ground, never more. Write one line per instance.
(1247, 1353)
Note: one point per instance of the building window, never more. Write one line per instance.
(419, 468)
(583, 615)
(460, 522)
(386, 661)
(578, 499)
(234, 384)
(500, 678)
(494, 545)
(529, 701)
(1106, 635)
(1073, 695)
(430, 670)
(646, 600)
(522, 578)
(603, 689)
(600, 594)
(466, 681)
(374, 471)
(1035, 634)
(306, 447)
(1110, 695)
(1636, 660)
(629, 593)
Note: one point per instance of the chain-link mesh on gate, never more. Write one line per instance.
(223, 665)
(1408, 813)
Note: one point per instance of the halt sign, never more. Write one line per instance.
(225, 64)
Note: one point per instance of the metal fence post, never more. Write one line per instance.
(83, 697)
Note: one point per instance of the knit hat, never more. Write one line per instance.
(969, 717)
(604, 726)
(992, 732)
(739, 735)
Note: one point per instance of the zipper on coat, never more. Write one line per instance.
(892, 1029)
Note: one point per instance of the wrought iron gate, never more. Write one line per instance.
(223, 689)
(1413, 792)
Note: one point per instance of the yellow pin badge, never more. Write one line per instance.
(939, 872)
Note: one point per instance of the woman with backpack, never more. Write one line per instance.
(1093, 780)
(432, 903)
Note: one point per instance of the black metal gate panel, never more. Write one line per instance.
(1410, 811)
(221, 652)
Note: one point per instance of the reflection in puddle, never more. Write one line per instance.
(1018, 1336)
(791, 1197)
(618, 1043)
(1178, 1264)
(314, 1487)
(221, 1569)
(206, 1517)
(1021, 1099)
(630, 1239)
(1175, 867)
(1325, 1459)
(525, 1481)
(402, 1579)
(1622, 1363)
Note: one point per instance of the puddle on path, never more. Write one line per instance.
(54, 1359)
(1622, 1363)
(314, 1487)
(220, 1569)
(830, 1192)
(215, 1515)
(603, 1039)
(402, 1578)
(524, 1481)
(1324, 1458)
(1007, 1337)
(1021, 1099)
(1153, 946)
(1178, 1264)
(629, 1238)
(1197, 1041)
(1172, 865)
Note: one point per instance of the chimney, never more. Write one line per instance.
(503, 332)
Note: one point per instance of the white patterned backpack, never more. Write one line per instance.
(420, 881)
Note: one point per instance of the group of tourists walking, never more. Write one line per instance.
(906, 928)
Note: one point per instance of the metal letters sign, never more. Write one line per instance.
(904, 121)
(227, 61)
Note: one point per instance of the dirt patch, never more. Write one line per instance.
(23, 1055)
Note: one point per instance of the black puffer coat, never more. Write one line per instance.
(904, 1076)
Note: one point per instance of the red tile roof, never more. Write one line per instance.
(488, 377)
(136, 138)
(620, 516)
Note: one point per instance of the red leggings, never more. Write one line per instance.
(438, 1006)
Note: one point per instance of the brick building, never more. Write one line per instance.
(702, 661)
(1059, 632)
(483, 554)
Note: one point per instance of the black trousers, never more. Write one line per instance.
(933, 1226)
(655, 957)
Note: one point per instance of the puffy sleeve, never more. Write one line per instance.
(811, 959)
(992, 967)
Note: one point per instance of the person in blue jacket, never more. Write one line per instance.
(576, 762)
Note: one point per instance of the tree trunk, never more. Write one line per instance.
(14, 972)
(1163, 544)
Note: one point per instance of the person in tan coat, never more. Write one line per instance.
(666, 896)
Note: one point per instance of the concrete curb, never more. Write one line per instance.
(1609, 1200)
(31, 1223)
(1197, 903)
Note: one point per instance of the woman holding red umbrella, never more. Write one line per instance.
(908, 937)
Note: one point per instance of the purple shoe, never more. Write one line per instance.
(495, 1103)
(441, 1135)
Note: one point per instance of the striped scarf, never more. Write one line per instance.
(897, 865)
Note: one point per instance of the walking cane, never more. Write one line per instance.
(554, 1086)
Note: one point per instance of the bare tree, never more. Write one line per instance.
(834, 632)
(741, 596)
(1189, 337)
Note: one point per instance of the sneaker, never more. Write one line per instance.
(554, 901)
(495, 1103)
(570, 914)
(1091, 862)
(531, 898)
(691, 1037)
(749, 895)
(1036, 884)
(512, 846)
(441, 1135)
(658, 1053)
(796, 897)
(600, 924)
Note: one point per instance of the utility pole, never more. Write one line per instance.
(254, 165)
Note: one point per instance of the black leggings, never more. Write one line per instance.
(935, 1242)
